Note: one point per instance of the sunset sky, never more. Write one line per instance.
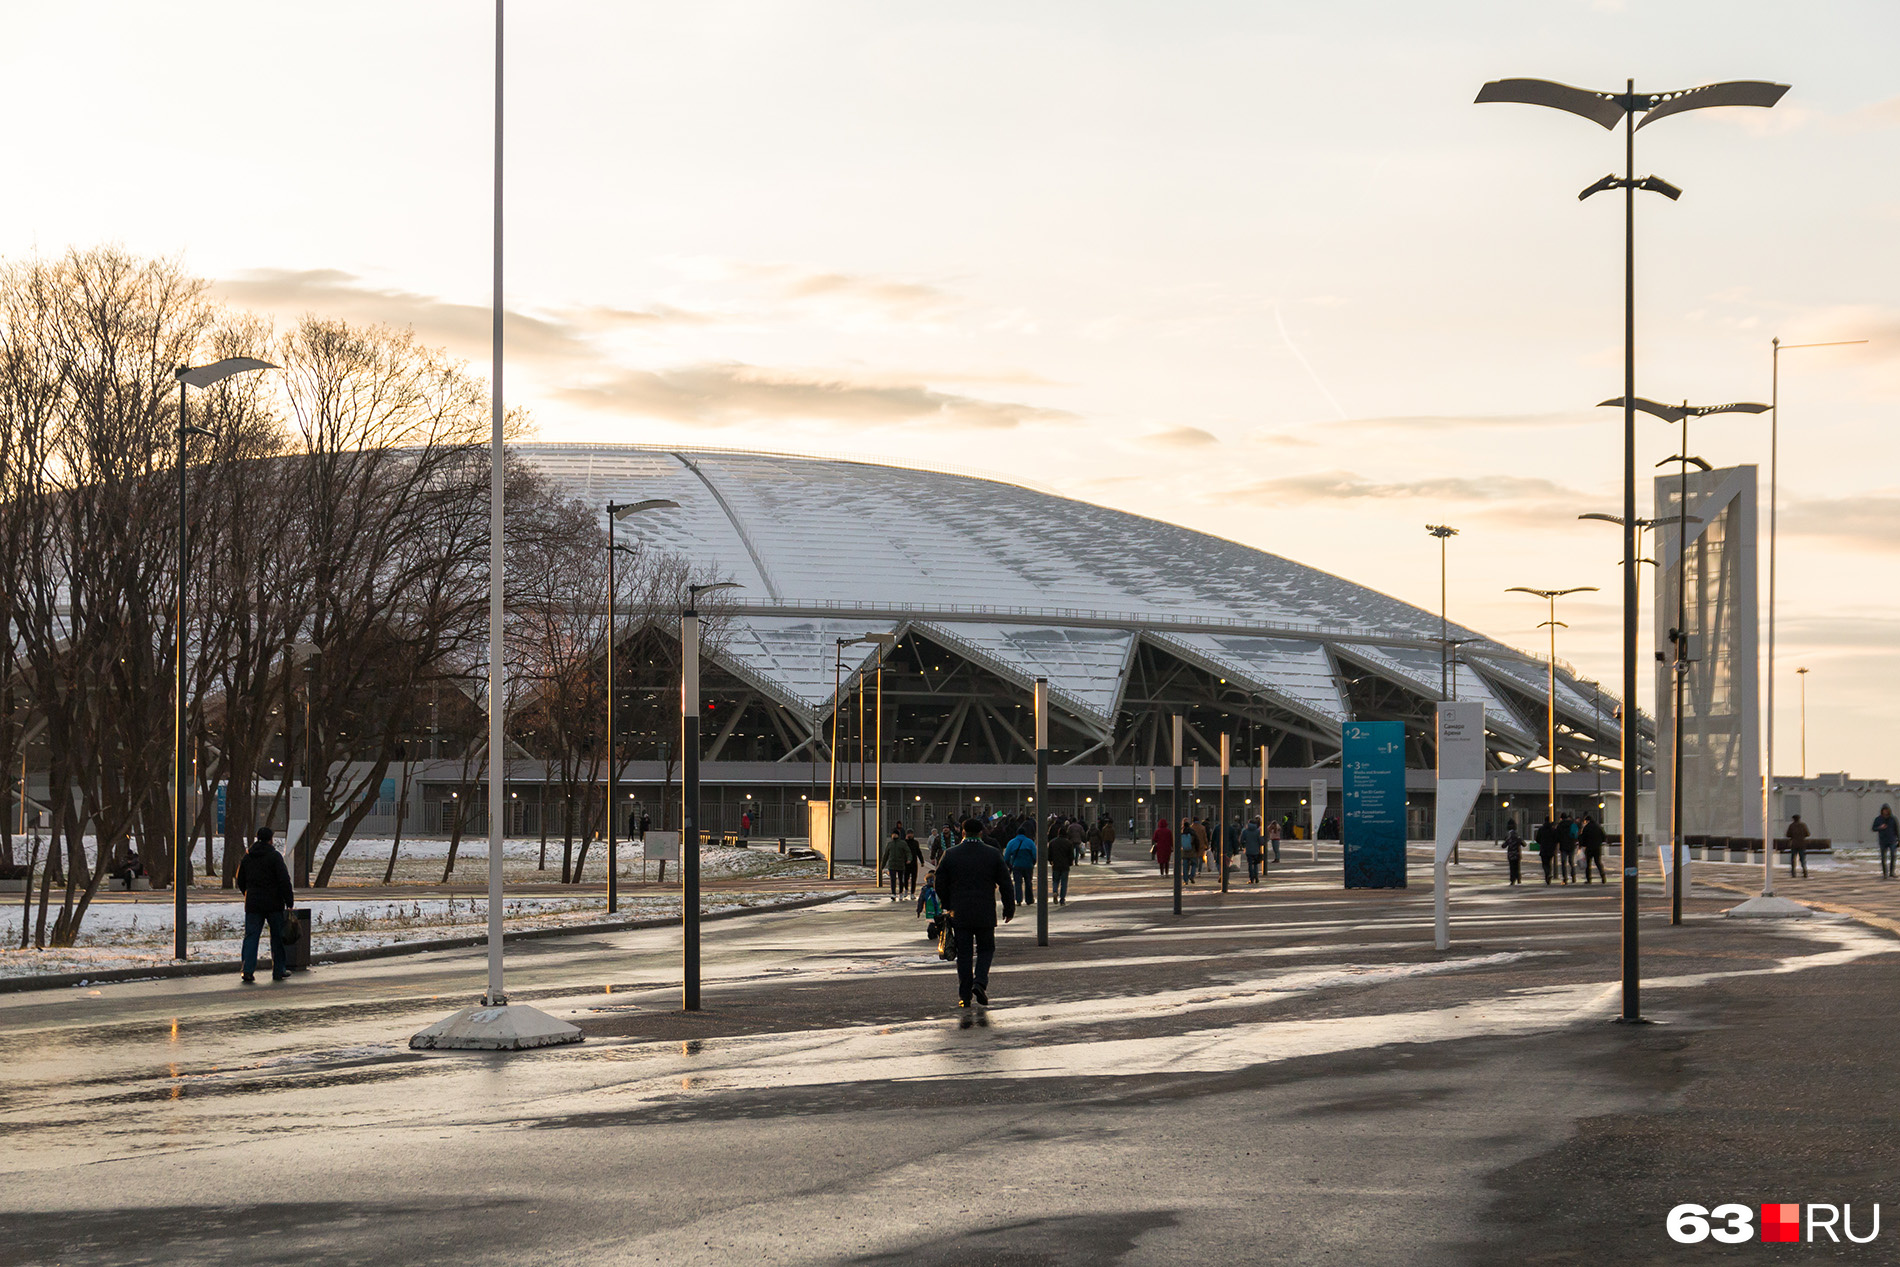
(1261, 269)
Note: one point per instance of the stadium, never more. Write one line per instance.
(982, 587)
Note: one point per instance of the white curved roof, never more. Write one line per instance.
(1023, 582)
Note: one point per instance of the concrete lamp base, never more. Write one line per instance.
(1769, 908)
(511, 1027)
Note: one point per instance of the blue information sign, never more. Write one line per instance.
(1372, 762)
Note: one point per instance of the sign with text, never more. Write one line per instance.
(1461, 740)
(1372, 776)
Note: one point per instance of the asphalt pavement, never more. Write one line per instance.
(1287, 1073)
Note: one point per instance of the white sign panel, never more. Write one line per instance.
(1461, 740)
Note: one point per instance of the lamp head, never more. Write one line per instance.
(634, 508)
(205, 375)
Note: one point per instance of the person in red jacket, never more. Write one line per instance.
(1163, 846)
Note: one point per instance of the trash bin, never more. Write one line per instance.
(299, 950)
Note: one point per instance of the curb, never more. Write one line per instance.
(219, 967)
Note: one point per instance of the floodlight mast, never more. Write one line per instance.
(1607, 110)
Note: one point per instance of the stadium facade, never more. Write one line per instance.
(983, 587)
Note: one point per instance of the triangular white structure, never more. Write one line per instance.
(1298, 673)
(1084, 666)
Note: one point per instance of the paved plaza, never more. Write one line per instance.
(1289, 1073)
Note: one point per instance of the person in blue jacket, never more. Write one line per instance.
(1020, 854)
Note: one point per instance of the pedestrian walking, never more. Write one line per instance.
(1514, 852)
(1063, 852)
(1887, 834)
(264, 881)
(1590, 839)
(968, 880)
(1108, 840)
(1020, 854)
(1193, 849)
(1798, 846)
(646, 823)
(1161, 847)
(1545, 838)
(1275, 833)
(913, 860)
(894, 862)
(1253, 844)
(930, 906)
(1567, 847)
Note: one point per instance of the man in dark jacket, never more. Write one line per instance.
(265, 882)
(1590, 839)
(1064, 852)
(1798, 846)
(968, 879)
(1887, 835)
(1546, 839)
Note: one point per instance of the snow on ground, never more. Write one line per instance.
(423, 860)
(139, 935)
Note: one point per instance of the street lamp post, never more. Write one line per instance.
(1553, 624)
(1444, 533)
(1774, 491)
(689, 793)
(831, 797)
(1226, 747)
(1180, 847)
(615, 513)
(1041, 817)
(200, 376)
(1802, 676)
(1266, 853)
(1607, 110)
(1679, 632)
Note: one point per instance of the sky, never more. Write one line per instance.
(1260, 269)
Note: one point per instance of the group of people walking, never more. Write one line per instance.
(1199, 843)
(1559, 842)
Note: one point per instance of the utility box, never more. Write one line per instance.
(858, 827)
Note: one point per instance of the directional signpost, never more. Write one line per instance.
(1460, 776)
(1372, 774)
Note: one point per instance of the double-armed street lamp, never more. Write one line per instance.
(1679, 631)
(615, 513)
(199, 376)
(1553, 624)
(1607, 110)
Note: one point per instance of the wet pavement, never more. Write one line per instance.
(1287, 1073)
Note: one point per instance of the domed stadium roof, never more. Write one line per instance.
(1031, 585)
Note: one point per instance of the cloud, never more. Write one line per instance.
(1868, 520)
(1286, 439)
(1455, 422)
(842, 294)
(727, 393)
(464, 328)
(1345, 486)
(1179, 438)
